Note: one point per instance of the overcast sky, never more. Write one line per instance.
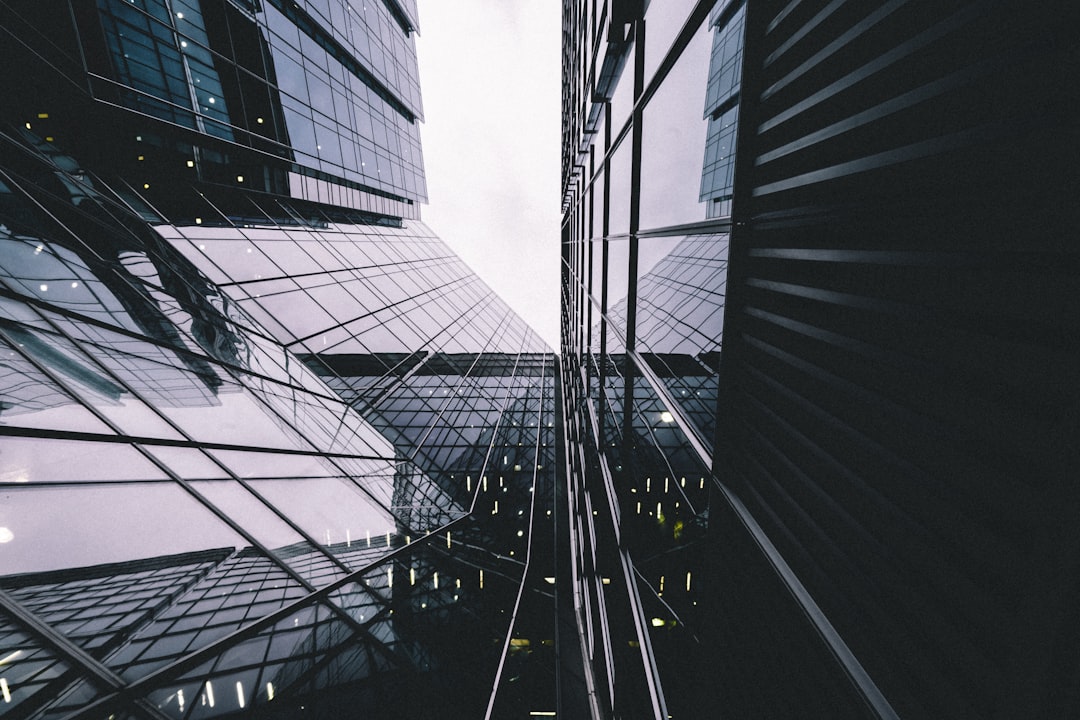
(490, 80)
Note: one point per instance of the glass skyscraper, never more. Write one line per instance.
(819, 357)
(269, 449)
(267, 446)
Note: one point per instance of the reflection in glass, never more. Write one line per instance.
(619, 198)
(680, 321)
(663, 21)
(674, 141)
(257, 454)
(721, 108)
(30, 676)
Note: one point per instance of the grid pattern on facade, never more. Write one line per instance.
(273, 452)
(884, 382)
(291, 543)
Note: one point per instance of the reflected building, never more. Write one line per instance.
(268, 448)
(818, 357)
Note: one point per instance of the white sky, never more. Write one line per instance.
(490, 81)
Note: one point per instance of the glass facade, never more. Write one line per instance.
(268, 448)
(312, 101)
(818, 411)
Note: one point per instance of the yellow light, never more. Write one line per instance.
(435, 580)
(448, 538)
(259, 120)
(27, 126)
(5, 690)
(48, 138)
(239, 693)
(239, 178)
(481, 579)
(142, 157)
(15, 655)
(146, 186)
(687, 581)
(390, 577)
(658, 622)
(191, 163)
(269, 691)
(412, 576)
(542, 713)
(210, 693)
(549, 580)
(198, 221)
(43, 116)
(666, 417)
(605, 581)
(180, 699)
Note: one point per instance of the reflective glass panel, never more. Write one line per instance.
(673, 143)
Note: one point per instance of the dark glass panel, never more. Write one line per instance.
(680, 317)
(32, 677)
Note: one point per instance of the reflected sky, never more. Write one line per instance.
(258, 452)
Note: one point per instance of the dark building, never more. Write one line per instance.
(268, 448)
(821, 254)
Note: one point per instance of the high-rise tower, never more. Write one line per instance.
(819, 356)
(267, 446)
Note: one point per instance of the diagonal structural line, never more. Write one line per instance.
(70, 652)
(528, 557)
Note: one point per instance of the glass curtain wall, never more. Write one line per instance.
(681, 610)
(268, 448)
(820, 391)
